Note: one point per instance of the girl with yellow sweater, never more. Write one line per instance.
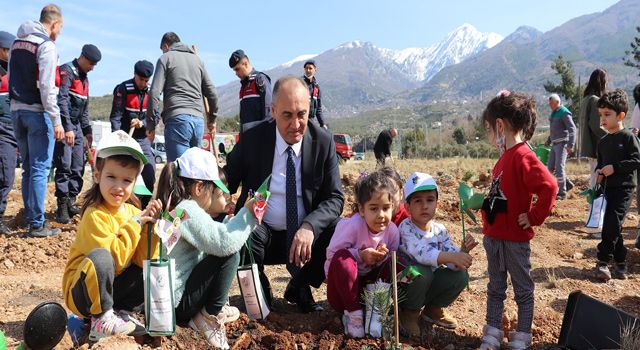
(104, 270)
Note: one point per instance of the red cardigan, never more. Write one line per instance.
(517, 176)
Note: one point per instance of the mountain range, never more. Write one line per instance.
(467, 64)
(357, 75)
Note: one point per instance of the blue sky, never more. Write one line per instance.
(273, 32)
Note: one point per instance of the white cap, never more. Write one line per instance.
(198, 164)
(120, 143)
(419, 182)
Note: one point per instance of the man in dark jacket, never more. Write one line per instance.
(315, 109)
(8, 145)
(306, 193)
(255, 91)
(129, 111)
(68, 155)
(182, 80)
(382, 147)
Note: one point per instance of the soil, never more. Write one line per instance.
(563, 257)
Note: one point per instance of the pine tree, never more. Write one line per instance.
(567, 87)
(633, 59)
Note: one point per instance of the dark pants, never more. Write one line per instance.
(270, 248)
(96, 289)
(380, 159)
(8, 158)
(612, 244)
(69, 164)
(437, 288)
(207, 286)
(149, 170)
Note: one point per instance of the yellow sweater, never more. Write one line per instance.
(113, 231)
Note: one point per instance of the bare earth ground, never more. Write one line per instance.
(31, 272)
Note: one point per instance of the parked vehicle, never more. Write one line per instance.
(158, 150)
(344, 147)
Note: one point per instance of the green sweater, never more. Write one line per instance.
(590, 130)
(202, 236)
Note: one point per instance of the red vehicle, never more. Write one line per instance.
(344, 148)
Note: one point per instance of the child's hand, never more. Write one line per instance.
(371, 256)
(469, 243)
(151, 212)
(607, 170)
(462, 260)
(250, 204)
(382, 248)
(523, 220)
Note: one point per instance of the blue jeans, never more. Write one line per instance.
(34, 133)
(181, 133)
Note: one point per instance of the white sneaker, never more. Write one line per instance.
(231, 312)
(519, 340)
(212, 327)
(109, 324)
(352, 322)
(126, 315)
(491, 338)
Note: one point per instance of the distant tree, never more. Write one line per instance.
(413, 143)
(469, 117)
(229, 124)
(567, 87)
(459, 137)
(633, 59)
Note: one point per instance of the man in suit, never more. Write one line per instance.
(306, 192)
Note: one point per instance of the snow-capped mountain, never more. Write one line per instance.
(357, 75)
(424, 63)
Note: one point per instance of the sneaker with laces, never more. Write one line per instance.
(109, 324)
(231, 312)
(211, 327)
(602, 271)
(353, 323)
(620, 272)
(127, 316)
(439, 317)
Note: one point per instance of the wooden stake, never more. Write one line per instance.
(394, 282)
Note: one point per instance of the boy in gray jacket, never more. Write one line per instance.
(562, 137)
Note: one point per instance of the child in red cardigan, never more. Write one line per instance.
(508, 214)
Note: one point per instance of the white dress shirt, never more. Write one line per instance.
(276, 214)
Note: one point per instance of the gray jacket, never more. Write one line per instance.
(182, 79)
(562, 127)
(590, 130)
(47, 63)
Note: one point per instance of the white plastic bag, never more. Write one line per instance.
(596, 214)
(252, 293)
(158, 276)
(378, 293)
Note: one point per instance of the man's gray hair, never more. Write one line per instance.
(283, 80)
(555, 97)
(50, 13)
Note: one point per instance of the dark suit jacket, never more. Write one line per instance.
(251, 162)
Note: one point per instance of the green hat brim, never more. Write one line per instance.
(121, 150)
(221, 186)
